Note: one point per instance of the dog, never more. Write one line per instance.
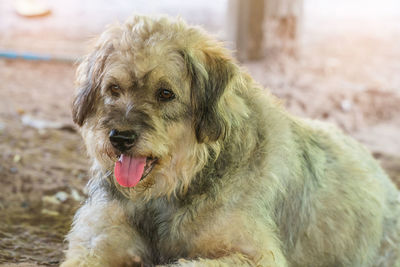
(194, 164)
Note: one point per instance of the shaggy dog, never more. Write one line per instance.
(195, 165)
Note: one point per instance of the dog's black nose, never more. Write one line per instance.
(123, 140)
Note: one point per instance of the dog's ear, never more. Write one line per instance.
(210, 74)
(89, 75)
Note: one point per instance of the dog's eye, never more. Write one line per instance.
(165, 94)
(115, 90)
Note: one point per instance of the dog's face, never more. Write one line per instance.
(152, 102)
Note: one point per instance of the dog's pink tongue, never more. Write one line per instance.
(129, 170)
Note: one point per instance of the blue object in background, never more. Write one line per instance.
(32, 56)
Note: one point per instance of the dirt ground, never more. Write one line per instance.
(343, 74)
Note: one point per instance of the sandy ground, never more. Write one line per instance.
(346, 72)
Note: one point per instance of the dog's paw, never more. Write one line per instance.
(183, 263)
(135, 261)
(79, 262)
(83, 262)
(71, 263)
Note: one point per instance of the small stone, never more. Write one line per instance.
(346, 105)
(24, 204)
(61, 196)
(50, 200)
(20, 111)
(50, 212)
(13, 170)
(17, 158)
(42, 132)
(75, 195)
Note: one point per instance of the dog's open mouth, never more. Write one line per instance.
(129, 171)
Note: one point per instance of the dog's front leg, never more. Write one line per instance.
(237, 259)
(101, 236)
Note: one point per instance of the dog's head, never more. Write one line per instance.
(152, 101)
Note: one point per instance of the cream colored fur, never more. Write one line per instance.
(239, 181)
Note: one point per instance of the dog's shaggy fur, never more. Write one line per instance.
(238, 182)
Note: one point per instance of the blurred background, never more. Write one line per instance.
(337, 61)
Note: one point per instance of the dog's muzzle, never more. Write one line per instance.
(122, 140)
